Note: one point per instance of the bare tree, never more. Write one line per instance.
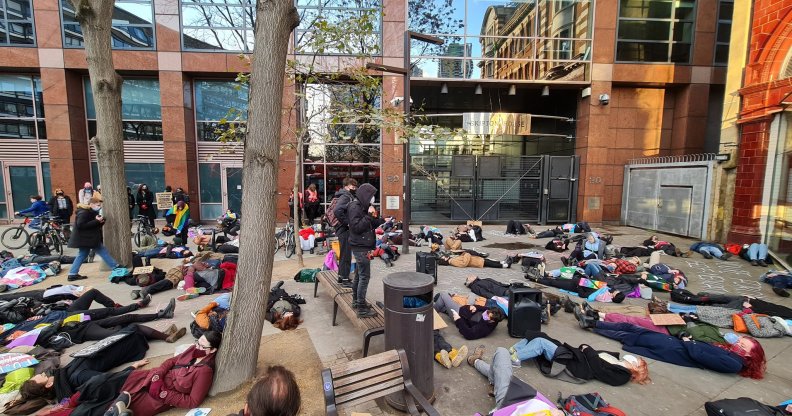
(96, 20)
(275, 19)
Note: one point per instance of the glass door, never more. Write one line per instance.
(232, 194)
(22, 182)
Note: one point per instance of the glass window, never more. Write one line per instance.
(655, 30)
(21, 109)
(210, 177)
(3, 204)
(152, 174)
(46, 177)
(140, 108)
(133, 25)
(725, 12)
(214, 25)
(362, 15)
(217, 100)
(16, 23)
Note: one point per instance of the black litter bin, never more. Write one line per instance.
(408, 325)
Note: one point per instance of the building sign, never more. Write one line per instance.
(497, 123)
(392, 202)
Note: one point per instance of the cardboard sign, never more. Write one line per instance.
(99, 346)
(143, 270)
(665, 319)
(472, 223)
(439, 323)
(14, 361)
(164, 200)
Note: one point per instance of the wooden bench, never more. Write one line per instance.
(369, 378)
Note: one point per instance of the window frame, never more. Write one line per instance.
(37, 118)
(195, 107)
(153, 27)
(5, 20)
(245, 30)
(298, 32)
(718, 22)
(672, 20)
(88, 120)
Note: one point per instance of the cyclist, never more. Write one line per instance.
(61, 206)
(87, 235)
(37, 208)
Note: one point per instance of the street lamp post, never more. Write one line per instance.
(407, 166)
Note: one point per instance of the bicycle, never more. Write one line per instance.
(48, 235)
(16, 237)
(143, 228)
(285, 238)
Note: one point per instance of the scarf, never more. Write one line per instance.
(181, 217)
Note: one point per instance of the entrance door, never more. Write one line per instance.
(561, 191)
(232, 194)
(23, 181)
(673, 209)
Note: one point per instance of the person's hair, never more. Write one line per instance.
(496, 314)
(214, 338)
(618, 298)
(305, 223)
(31, 390)
(36, 197)
(350, 181)
(95, 200)
(290, 322)
(754, 362)
(140, 187)
(58, 191)
(129, 189)
(168, 188)
(640, 372)
(312, 186)
(276, 394)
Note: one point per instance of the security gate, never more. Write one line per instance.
(534, 189)
(669, 194)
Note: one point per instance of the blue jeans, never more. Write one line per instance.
(362, 276)
(592, 270)
(757, 251)
(527, 350)
(780, 282)
(83, 254)
(714, 251)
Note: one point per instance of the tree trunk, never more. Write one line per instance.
(95, 17)
(275, 19)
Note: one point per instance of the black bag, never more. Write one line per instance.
(525, 311)
(740, 407)
(556, 245)
(140, 261)
(40, 249)
(426, 263)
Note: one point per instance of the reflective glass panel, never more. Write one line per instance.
(16, 96)
(216, 39)
(135, 130)
(213, 99)
(133, 25)
(21, 110)
(16, 23)
(210, 175)
(357, 14)
(140, 99)
(217, 25)
(655, 30)
(152, 174)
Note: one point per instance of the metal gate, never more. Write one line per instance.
(669, 194)
(535, 189)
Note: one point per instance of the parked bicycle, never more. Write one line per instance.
(143, 228)
(285, 239)
(49, 235)
(17, 237)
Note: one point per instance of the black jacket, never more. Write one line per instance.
(87, 231)
(585, 364)
(147, 199)
(54, 210)
(344, 199)
(361, 223)
(131, 201)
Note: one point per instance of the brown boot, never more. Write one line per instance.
(171, 329)
(476, 355)
(176, 335)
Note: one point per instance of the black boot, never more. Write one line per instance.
(584, 321)
(569, 306)
(167, 312)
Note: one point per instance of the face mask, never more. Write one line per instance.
(352, 191)
(60, 194)
(731, 338)
(199, 353)
(97, 209)
(372, 200)
(88, 188)
(485, 316)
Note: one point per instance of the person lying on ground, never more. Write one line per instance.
(591, 248)
(468, 259)
(780, 280)
(580, 364)
(552, 232)
(738, 302)
(654, 243)
(170, 281)
(275, 394)
(182, 381)
(473, 321)
(741, 354)
(58, 297)
(593, 290)
(710, 250)
(665, 273)
(599, 268)
(515, 227)
(212, 317)
(494, 293)
(283, 309)
(445, 354)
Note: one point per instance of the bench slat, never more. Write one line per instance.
(363, 383)
(370, 393)
(366, 363)
(340, 381)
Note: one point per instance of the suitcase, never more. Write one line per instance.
(525, 311)
(426, 263)
(740, 407)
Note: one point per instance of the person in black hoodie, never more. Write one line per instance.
(345, 196)
(362, 222)
(87, 236)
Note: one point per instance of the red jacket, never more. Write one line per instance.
(185, 385)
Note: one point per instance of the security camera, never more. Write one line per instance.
(397, 101)
(604, 99)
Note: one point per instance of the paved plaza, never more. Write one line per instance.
(462, 391)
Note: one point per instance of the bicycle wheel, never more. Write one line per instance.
(56, 243)
(290, 244)
(138, 236)
(277, 244)
(35, 239)
(15, 238)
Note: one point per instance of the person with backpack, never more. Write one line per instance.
(87, 236)
(363, 221)
(338, 219)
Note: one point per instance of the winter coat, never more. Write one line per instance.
(84, 197)
(87, 230)
(146, 199)
(361, 223)
(452, 244)
(583, 363)
(471, 325)
(597, 248)
(130, 201)
(489, 288)
(56, 211)
(186, 384)
(467, 260)
(38, 208)
(344, 199)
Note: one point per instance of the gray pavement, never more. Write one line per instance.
(462, 391)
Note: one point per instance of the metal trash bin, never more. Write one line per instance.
(409, 320)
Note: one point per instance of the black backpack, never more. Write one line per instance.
(40, 249)
(330, 214)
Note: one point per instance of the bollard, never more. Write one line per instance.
(409, 320)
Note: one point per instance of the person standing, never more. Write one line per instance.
(344, 196)
(363, 221)
(87, 236)
(131, 203)
(61, 206)
(85, 194)
(145, 201)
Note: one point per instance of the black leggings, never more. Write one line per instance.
(157, 287)
(86, 299)
(493, 264)
(440, 342)
(103, 328)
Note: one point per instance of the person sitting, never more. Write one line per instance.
(473, 321)
(710, 250)
(37, 208)
(178, 218)
(741, 354)
(591, 248)
(581, 363)
(780, 280)
(275, 394)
